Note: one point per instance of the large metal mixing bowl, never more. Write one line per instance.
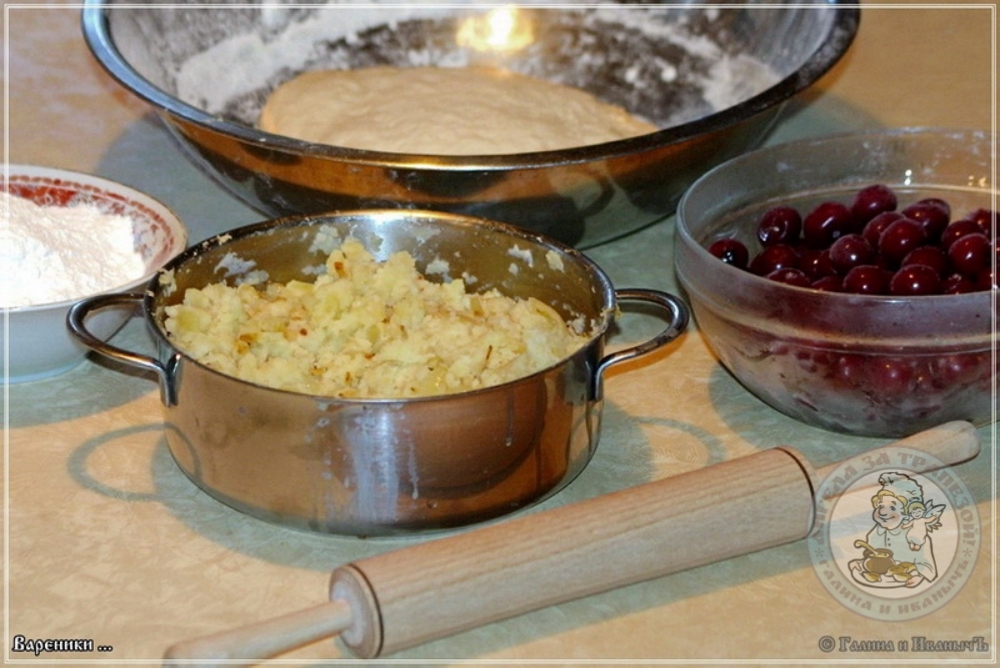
(697, 72)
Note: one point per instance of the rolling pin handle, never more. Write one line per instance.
(263, 640)
(948, 444)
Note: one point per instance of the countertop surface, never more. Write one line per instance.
(106, 540)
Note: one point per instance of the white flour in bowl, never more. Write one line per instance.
(52, 253)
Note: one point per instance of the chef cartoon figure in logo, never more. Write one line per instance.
(898, 551)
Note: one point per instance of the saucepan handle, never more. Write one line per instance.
(677, 316)
(76, 322)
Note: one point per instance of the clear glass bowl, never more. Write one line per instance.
(866, 365)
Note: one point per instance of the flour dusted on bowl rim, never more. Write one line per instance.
(674, 70)
(367, 329)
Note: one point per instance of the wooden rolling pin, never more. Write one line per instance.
(409, 596)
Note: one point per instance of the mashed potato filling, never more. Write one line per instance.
(369, 329)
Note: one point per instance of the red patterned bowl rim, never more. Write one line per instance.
(57, 187)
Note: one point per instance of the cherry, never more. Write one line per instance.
(731, 251)
(779, 225)
(873, 230)
(888, 376)
(970, 254)
(871, 201)
(866, 279)
(790, 276)
(956, 284)
(849, 251)
(932, 256)
(816, 263)
(987, 221)
(932, 214)
(774, 257)
(899, 238)
(915, 279)
(831, 283)
(951, 370)
(850, 369)
(986, 280)
(937, 201)
(958, 229)
(826, 223)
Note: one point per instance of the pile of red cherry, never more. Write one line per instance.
(869, 246)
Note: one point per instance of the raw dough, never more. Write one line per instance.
(442, 111)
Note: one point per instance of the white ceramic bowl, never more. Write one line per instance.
(35, 340)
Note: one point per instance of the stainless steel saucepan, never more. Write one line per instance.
(385, 466)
